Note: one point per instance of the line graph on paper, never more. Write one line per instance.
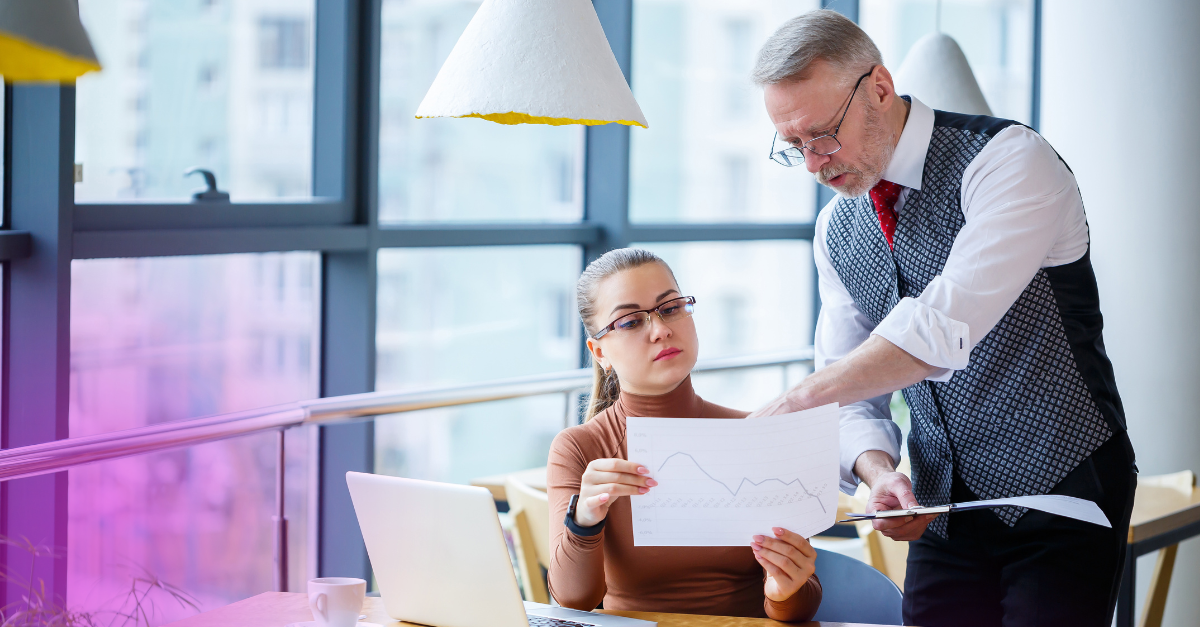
(790, 491)
(723, 481)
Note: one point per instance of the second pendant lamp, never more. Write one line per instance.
(937, 72)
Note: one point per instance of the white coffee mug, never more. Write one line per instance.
(336, 601)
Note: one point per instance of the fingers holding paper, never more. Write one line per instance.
(789, 560)
(603, 481)
(894, 491)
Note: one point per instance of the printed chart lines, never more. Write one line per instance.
(734, 491)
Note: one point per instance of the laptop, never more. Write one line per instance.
(439, 558)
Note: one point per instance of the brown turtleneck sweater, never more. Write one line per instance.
(719, 581)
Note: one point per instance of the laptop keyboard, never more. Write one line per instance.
(546, 621)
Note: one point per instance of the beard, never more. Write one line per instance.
(878, 148)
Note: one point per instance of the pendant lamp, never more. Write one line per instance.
(533, 62)
(43, 40)
(936, 71)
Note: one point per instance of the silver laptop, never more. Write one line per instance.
(440, 558)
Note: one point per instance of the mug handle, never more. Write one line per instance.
(319, 604)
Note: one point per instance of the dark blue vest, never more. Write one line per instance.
(1038, 394)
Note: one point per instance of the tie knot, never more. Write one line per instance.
(884, 195)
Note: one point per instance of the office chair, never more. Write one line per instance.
(530, 512)
(854, 592)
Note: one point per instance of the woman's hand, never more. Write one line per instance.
(789, 561)
(603, 481)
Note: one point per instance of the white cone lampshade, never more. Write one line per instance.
(533, 62)
(936, 72)
(43, 40)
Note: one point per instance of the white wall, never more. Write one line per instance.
(1121, 88)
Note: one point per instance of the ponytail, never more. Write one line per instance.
(605, 390)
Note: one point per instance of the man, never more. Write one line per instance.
(954, 265)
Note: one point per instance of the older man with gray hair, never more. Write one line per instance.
(954, 265)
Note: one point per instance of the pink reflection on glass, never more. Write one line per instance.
(163, 339)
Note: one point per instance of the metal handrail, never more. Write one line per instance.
(51, 457)
(60, 455)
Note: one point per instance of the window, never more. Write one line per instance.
(996, 36)
(751, 297)
(3, 143)
(457, 170)
(704, 157)
(461, 315)
(155, 340)
(283, 43)
(175, 94)
(229, 86)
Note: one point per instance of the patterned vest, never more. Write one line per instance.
(1038, 394)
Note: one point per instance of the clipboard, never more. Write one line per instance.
(1056, 504)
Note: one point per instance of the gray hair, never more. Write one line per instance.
(605, 385)
(817, 35)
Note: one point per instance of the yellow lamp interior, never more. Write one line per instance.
(22, 60)
(513, 117)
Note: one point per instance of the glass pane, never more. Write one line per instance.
(218, 84)
(457, 170)
(3, 139)
(706, 157)
(155, 340)
(461, 315)
(996, 36)
(751, 297)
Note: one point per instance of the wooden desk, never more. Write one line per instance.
(277, 609)
(1162, 517)
(534, 478)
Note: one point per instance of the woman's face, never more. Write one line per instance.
(655, 358)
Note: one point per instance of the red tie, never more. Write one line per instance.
(885, 195)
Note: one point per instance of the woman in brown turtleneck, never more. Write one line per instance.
(639, 325)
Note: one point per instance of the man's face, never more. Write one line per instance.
(811, 107)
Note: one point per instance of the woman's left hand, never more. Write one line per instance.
(789, 561)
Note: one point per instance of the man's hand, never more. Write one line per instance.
(783, 404)
(891, 491)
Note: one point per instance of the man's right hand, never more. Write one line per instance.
(603, 481)
(891, 491)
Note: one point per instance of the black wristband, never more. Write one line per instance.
(585, 532)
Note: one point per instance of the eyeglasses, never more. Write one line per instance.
(671, 311)
(823, 145)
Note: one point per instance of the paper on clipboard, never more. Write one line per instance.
(1067, 506)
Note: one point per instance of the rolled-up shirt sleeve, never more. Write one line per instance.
(1019, 200)
(841, 327)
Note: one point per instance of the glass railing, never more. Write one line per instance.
(62, 455)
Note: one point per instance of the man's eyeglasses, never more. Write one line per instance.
(823, 145)
(671, 311)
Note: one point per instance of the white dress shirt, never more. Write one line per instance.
(1022, 212)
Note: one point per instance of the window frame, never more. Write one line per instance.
(341, 222)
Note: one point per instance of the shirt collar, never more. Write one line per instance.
(908, 161)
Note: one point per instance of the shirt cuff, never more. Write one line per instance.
(929, 335)
(861, 436)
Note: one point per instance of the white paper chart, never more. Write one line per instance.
(720, 482)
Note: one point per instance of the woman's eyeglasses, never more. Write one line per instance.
(671, 311)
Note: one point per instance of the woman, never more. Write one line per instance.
(643, 344)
